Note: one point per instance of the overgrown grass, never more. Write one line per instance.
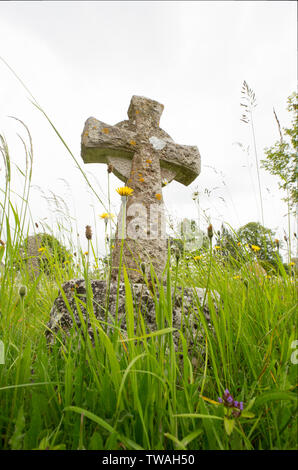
(142, 393)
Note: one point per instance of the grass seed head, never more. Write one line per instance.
(22, 291)
(88, 232)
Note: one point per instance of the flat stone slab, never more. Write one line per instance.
(184, 309)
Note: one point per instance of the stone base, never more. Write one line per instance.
(184, 309)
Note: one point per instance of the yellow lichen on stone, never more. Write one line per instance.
(105, 130)
(132, 142)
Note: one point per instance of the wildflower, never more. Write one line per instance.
(113, 246)
(164, 181)
(141, 180)
(236, 277)
(210, 231)
(196, 258)
(41, 249)
(292, 263)
(158, 196)
(239, 244)
(106, 216)
(133, 142)
(86, 253)
(149, 161)
(88, 232)
(268, 276)
(255, 248)
(124, 191)
(22, 291)
(217, 247)
(229, 402)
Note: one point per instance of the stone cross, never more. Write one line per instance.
(146, 158)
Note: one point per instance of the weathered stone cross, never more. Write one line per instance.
(146, 158)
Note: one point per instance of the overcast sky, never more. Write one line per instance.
(82, 59)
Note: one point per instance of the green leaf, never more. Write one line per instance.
(2, 249)
(247, 414)
(128, 305)
(91, 416)
(17, 437)
(250, 404)
(229, 425)
(276, 395)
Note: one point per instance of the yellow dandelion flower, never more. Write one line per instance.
(141, 180)
(158, 196)
(236, 277)
(113, 246)
(41, 249)
(196, 258)
(124, 191)
(217, 247)
(86, 253)
(106, 215)
(292, 263)
(239, 243)
(255, 248)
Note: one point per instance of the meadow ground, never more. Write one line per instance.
(143, 394)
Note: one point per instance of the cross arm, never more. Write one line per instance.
(185, 159)
(100, 141)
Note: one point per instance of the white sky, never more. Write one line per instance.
(82, 59)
